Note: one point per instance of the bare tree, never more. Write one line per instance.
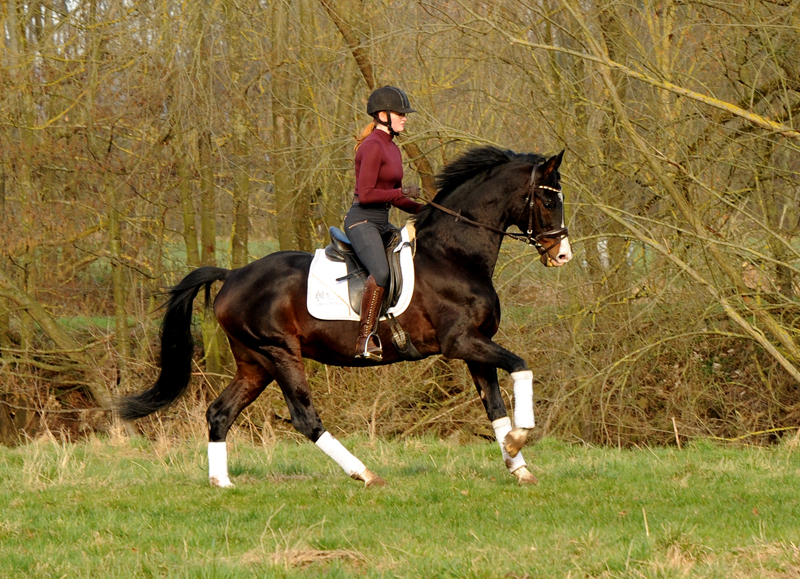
(137, 143)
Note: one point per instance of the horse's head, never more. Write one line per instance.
(543, 218)
(493, 189)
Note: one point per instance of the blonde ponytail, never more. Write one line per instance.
(365, 132)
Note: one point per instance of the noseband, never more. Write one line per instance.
(528, 237)
(536, 240)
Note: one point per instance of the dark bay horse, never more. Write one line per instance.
(454, 310)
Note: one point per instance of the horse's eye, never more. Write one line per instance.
(549, 206)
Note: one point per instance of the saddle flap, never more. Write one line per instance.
(340, 250)
(345, 277)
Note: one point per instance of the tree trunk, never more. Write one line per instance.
(239, 136)
(189, 218)
(5, 318)
(337, 198)
(21, 68)
(208, 202)
(118, 282)
(208, 236)
(102, 153)
(282, 173)
(241, 195)
(208, 193)
(308, 136)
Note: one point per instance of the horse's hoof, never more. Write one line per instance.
(525, 477)
(223, 483)
(376, 481)
(370, 479)
(515, 440)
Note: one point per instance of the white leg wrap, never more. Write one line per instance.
(218, 464)
(502, 426)
(523, 399)
(334, 449)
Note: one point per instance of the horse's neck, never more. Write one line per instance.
(459, 242)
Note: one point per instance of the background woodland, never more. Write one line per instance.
(142, 138)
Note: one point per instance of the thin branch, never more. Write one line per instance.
(601, 58)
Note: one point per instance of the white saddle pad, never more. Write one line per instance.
(328, 299)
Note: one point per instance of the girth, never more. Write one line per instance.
(341, 250)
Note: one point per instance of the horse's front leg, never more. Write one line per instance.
(523, 411)
(479, 349)
(485, 378)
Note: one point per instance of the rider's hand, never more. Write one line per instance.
(411, 192)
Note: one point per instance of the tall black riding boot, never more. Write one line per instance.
(369, 344)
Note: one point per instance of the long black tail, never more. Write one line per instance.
(177, 346)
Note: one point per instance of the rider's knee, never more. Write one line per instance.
(381, 277)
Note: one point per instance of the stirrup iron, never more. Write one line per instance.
(376, 353)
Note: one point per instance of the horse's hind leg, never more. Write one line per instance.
(485, 378)
(249, 381)
(290, 374)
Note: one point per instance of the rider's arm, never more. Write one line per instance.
(408, 205)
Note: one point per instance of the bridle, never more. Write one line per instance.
(528, 237)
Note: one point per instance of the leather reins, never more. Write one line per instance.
(528, 237)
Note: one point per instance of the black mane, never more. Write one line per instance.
(473, 163)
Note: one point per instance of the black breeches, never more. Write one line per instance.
(366, 228)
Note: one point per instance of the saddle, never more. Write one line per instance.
(341, 250)
(328, 299)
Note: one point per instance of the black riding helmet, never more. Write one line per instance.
(389, 99)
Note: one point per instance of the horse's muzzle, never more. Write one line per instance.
(558, 254)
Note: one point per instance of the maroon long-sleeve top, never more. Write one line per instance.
(379, 173)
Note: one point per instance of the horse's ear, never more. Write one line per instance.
(551, 164)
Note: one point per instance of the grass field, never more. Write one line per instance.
(106, 508)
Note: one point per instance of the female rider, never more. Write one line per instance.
(379, 177)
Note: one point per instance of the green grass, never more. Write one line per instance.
(139, 509)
